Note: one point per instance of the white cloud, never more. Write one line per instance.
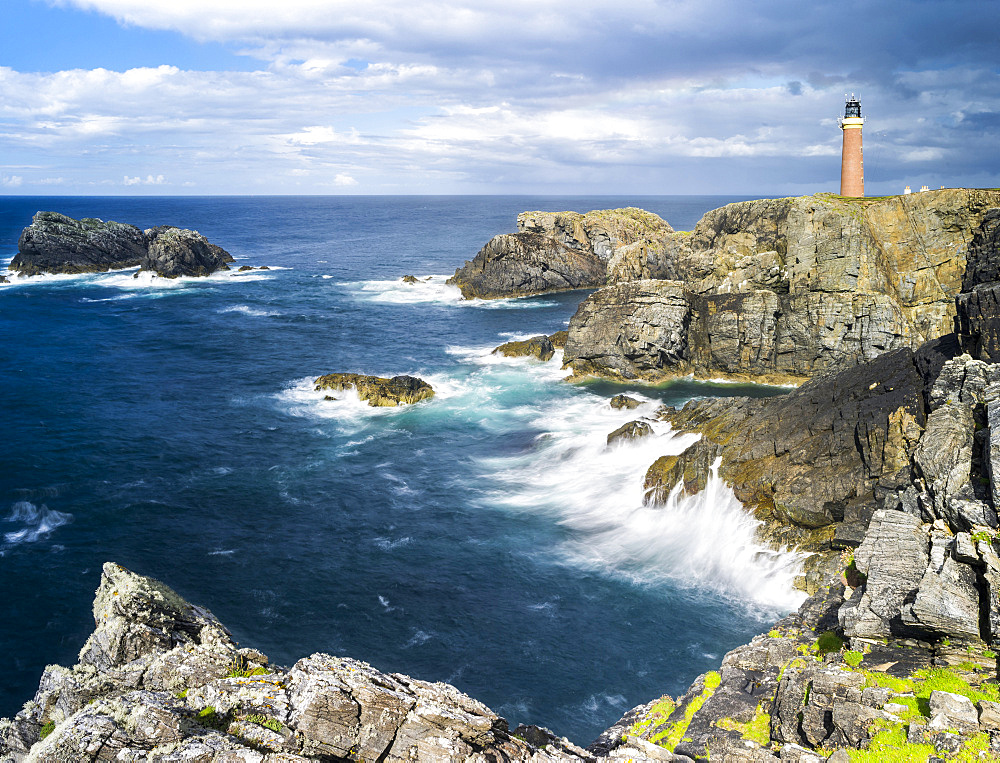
(343, 180)
(148, 180)
(11, 181)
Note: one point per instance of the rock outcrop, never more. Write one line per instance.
(175, 252)
(559, 251)
(54, 243)
(785, 289)
(161, 679)
(377, 390)
(540, 347)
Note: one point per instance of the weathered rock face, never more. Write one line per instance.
(809, 459)
(175, 252)
(978, 307)
(631, 330)
(54, 243)
(555, 251)
(160, 679)
(788, 288)
(518, 264)
(378, 391)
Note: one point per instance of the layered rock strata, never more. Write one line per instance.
(378, 391)
(559, 251)
(784, 289)
(55, 243)
(161, 679)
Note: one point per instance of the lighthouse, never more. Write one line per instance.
(852, 165)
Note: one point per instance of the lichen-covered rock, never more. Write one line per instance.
(624, 401)
(536, 347)
(519, 264)
(175, 252)
(55, 243)
(377, 390)
(324, 707)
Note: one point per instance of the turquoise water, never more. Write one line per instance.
(486, 537)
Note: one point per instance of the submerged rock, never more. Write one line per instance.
(175, 252)
(160, 679)
(55, 243)
(537, 347)
(377, 390)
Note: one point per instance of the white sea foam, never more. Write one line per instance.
(596, 493)
(247, 310)
(132, 280)
(31, 522)
(434, 290)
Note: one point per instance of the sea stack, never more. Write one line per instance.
(852, 166)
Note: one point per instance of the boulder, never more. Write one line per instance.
(55, 243)
(536, 347)
(624, 401)
(957, 711)
(378, 391)
(410, 279)
(633, 430)
(175, 252)
(519, 264)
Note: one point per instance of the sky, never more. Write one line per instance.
(581, 97)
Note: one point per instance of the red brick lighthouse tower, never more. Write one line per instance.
(852, 165)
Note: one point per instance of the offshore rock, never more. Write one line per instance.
(624, 401)
(519, 264)
(175, 252)
(536, 347)
(789, 288)
(377, 390)
(55, 243)
(323, 708)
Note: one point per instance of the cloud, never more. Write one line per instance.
(11, 181)
(148, 180)
(592, 95)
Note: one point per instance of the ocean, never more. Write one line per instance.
(487, 537)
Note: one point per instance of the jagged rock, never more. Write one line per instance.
(244, 268)
(633, 430)
(537, 347)
(989, 714)
(410, 279)
(958, 711)
(175, 252)
(4, 279)
(378, 391)
(518, 264)
(558, 339)
(323, 707)
(690, 468)
(893, 556)
(818, 455)
(603, 232)
(631, 330)
(624, 401)
(947, 598)
(55, 243)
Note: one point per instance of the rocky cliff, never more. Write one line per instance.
(782, 289)
(55, 243)
(559, 251)
(161, 679)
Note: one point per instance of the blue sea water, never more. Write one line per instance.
(486, 537)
